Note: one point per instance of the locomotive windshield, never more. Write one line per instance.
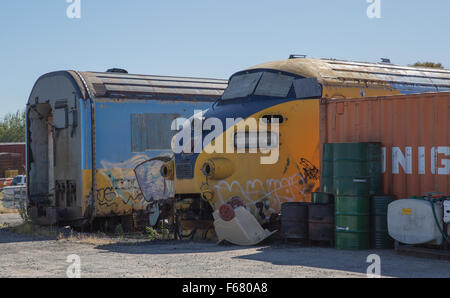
(271, 84)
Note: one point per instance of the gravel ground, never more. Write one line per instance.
(24, 256)
(10, 219)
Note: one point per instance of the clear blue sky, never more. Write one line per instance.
(207, 38)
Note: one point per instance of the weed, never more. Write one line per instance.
(119, 230)
(165, 233)
(152, 234)
(30, 229)
(92, 239)
(24, 214)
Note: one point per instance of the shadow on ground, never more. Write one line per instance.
(159, 247)
(6, 236)
(392, 264)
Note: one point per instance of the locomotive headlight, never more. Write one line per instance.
(167, 170)
(218, 168)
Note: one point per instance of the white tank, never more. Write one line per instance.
(411, 221)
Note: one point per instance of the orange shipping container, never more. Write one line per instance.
(414, 132)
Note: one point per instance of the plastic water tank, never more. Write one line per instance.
(411, 221)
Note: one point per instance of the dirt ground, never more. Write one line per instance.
(32, 256)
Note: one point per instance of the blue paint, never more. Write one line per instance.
(414, 89)
(113, 126)
(85, 130)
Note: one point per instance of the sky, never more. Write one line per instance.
(208, 38)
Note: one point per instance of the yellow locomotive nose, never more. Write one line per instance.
(218, 168)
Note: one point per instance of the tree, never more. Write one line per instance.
(12, 127)
(429, 65)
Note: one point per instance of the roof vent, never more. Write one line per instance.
(296, 56)
(117, 70)
(386, 60)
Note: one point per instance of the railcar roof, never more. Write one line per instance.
(135, 86)
(339, 72)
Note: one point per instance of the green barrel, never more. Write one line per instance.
(351, 169)
(352, 222)
(322, 198)
(327, 169)
(374, 155)
(379, 236)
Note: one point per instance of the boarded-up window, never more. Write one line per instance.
(151, 131)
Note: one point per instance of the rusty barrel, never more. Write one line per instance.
(379, 235)
(321, 222)
(294, 220)
(322, 198)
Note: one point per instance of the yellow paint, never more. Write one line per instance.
(218, 168)
(117, 192)
(278, 183)
(407, 211)
(87, 187)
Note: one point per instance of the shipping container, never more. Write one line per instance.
(90, 133)
(413, 130)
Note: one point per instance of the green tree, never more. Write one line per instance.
(429, 65)
(12, 127)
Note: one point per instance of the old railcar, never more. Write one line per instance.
(90, 136)
(289, 91)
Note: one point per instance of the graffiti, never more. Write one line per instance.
(125, 189)
(153, 186)
(263, 198)
(308, 171)
(256, 193)
(106, 196)
(288, 163)
(128, 184)
(286, 188)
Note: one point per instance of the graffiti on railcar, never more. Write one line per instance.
(153, 186)
(257, 192)
(309, 174)
(130, 184)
